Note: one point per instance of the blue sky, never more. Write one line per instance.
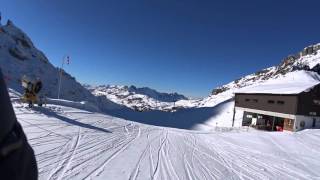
(188, 47)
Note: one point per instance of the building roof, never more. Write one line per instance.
(291, 83)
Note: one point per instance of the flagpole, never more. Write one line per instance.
(60, 75)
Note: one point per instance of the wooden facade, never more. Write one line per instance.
(288, 112)
(268, 102)
(305, 103)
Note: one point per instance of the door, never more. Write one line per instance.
(314, 122)
(288, 124)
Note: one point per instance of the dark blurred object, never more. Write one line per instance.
(17, 160)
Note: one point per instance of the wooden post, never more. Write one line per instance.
(274, 118)
(234, 114)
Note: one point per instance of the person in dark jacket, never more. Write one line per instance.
(17, 160)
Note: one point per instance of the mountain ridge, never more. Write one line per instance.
(308, 59)
(140, 99)
(20, 57)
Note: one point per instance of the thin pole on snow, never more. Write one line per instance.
(60, 73)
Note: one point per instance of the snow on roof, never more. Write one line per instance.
(291, 83)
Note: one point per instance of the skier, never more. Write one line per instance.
(17, 160)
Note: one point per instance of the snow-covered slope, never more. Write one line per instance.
(306, 60)
(71, 143)
(290, 83)
(300, 70)
(140, 99)
(19, 56)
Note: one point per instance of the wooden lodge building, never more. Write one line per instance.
(288, 107)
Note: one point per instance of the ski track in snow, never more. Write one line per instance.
(75, 144)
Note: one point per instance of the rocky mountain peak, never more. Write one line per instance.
(20, 57)
(307, 59)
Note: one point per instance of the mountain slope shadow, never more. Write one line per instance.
(51, 113)
(182, 118)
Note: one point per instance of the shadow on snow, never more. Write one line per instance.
(51, 113)
(182, 118)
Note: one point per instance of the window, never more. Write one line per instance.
(247, 100)
(280, 102)
(316, 102)
(313, 113)
(271, 101)
(255, 100)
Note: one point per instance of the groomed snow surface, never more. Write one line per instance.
(71, 143)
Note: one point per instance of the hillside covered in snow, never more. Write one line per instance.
(306, 60)
(140, 99)
(98, 132)
(19, 56)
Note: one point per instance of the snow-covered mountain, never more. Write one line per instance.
(19, 56)
(140, 99)
(72, 140)
(306, 60)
